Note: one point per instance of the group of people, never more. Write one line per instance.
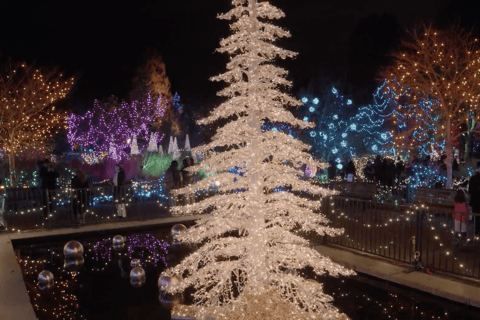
(176, 178)
(80, 190)
(384, 171)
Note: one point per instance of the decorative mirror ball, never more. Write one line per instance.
(45, 280)
(163, 282)
(118, 247)
(137, 274)
(73, 248)
(135, 263)
(168, 301)
(178, 229)
(118, 240)
(137, 284)
(137, 277)
(74, 262)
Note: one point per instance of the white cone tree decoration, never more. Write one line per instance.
(170, 146)
(160, 150)
(175, 151)
(134, 147)
(187, 148)
(249, 252)
(152, 144)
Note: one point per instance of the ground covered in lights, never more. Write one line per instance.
(101, 289)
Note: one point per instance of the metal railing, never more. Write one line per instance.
(410, 233)
(32, 208)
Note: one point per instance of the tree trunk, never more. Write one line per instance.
(11, 167)
(449, 151)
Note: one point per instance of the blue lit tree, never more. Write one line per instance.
(330, 115)
(338, 135)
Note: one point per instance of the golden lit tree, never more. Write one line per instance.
(435, 82)
(28, 118)
(151, 80)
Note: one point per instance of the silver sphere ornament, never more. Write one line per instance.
(163, 282)
(137, 277)
(45, 280)
(73, 248)
(135, 263)
(137, 284)
(169, 301)
(118, 247)
(118, 240)
(178, 229)
(74, 262)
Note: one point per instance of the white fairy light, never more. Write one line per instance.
(248, 246)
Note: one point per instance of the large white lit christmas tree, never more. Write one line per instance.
(247, 265)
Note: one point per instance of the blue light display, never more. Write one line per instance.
(349, 102)
(315, 101)
(311, 109)
(313, 133)
(334, 91)
(304, 100)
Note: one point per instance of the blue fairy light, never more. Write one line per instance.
(334, 91)
(339, 166)
(344, 135)
(335, 117)
(315, 101)
(313, 133)
(343, 143)
(334, 150)
(353, 127)
(374, 148)
(304, 100)
(349, 102)
(305, 119)
(311, 109)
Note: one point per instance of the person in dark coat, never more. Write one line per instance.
(474, 190)
(80, 193)
(119, 191)
(350, 169)
(369, 172)
(399, 169)
(377, 167)
(173, 180)
(389, 173)
(49, 183)
(331, 171)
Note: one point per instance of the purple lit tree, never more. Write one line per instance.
(105, 128)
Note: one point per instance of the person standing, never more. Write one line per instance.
(49, 184)
(460, 218)
(474, 191)
(119, 191)
(80, 188)
(173, 180)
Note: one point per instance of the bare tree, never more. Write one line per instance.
(28, 118)
(435, 77)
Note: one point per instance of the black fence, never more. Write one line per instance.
(412, 233)
(32, 208)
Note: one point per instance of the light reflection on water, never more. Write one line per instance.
(101, 288)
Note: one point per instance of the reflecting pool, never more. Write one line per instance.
(100, 284)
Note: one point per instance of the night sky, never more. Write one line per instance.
(104, 41)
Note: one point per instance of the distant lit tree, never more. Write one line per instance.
(436, 73)
(151, 80)
(110, 127)
(28, 117)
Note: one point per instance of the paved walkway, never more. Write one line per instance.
(403, 274)
(14, 299)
